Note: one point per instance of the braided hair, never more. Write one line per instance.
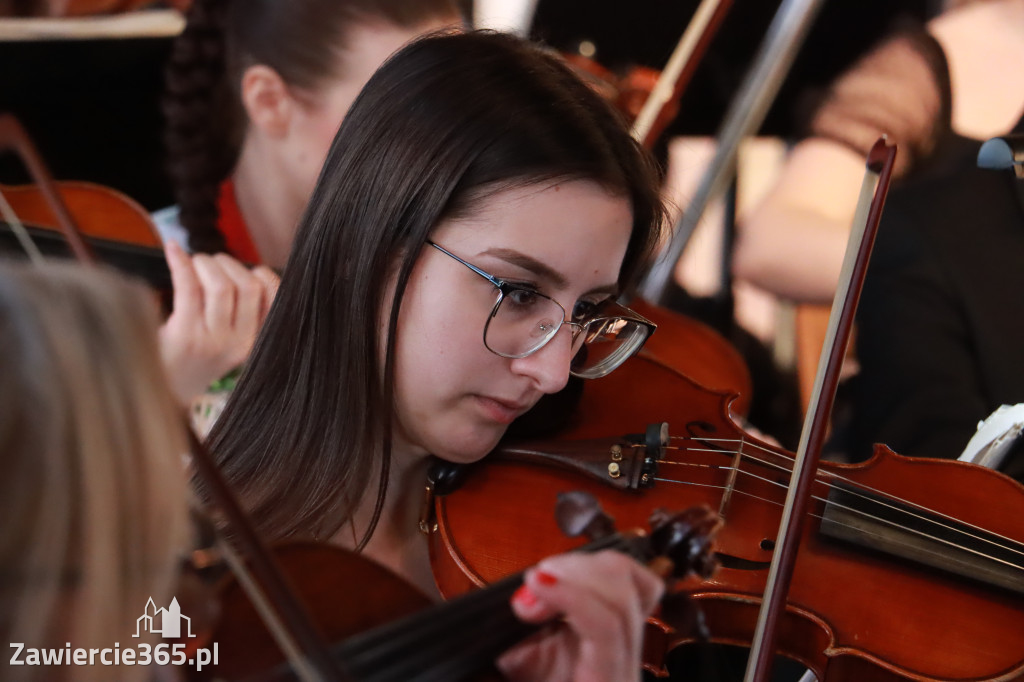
(205, 121)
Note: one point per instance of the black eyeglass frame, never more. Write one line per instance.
(620, 312)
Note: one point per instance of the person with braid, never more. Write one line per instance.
(255, 92)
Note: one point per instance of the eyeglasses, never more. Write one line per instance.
(523, 320)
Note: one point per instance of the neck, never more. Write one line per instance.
(397, 542)
(267, 203)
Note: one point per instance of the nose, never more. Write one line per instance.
(548, 366)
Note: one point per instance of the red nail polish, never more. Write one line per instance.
(546, 578)
(524, 596)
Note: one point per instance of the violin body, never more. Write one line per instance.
(855, 611)
(693, 348)
(344, 593)
(98, 211)
(384, 630)
(628, 92)
(117, 229)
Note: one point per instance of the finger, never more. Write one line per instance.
(604, 599)
(248, 296)
(529, 608)
(188, 293)
(218, 294)
(271, 282)
(610, 575)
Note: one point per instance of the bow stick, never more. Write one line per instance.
(680, 66)
(851, 280)
(745, 115)
(14, 137)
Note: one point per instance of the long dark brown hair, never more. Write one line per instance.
(445, 122)
(205, 122)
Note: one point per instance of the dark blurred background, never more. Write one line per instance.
(92, 106)
(647, 33)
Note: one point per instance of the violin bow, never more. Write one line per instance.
(14, 137)
(680, 66)
(746, 113)
(265, 584)
(851, 280)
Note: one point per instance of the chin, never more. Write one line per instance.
(472, 447)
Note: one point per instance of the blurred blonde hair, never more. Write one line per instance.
(93, 494)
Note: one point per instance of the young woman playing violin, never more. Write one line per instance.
(255, 93)
(94, 495)
(477, 214)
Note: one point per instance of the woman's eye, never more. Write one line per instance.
(523, 297)
(584, 310)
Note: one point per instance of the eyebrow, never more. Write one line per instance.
(542, 270)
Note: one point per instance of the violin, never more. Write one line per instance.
(298, 623)
(698, 351)
(648, 98)
(935, 542)
(75, 219)
(908, 568)
(388, 630)
(628, 91)
(116, 230)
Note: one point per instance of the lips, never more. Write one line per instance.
(502, 411)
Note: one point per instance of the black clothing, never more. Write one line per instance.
(941, 319)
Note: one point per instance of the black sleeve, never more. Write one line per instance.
(918, 389)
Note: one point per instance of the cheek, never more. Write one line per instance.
(439, 347)
(439, 342)
(441, 362)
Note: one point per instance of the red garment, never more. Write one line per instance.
(232, 226)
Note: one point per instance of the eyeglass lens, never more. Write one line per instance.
(607, 344)
(523, 321)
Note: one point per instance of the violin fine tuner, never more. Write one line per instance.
(627, 462)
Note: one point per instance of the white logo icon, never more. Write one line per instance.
(166, 622)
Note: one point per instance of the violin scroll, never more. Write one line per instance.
(679, 544)
(687, 538)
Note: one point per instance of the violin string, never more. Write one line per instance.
(839, 477)
(862, 514)
(1008, 547)
(485, 611)
(1012, 547)
(418, 642)
(483, 616)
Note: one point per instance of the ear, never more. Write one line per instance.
(267, 101)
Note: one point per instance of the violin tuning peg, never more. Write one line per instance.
(579, 513)
(687, 538)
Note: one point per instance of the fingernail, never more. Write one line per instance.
(545, 578)
(524, 596)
